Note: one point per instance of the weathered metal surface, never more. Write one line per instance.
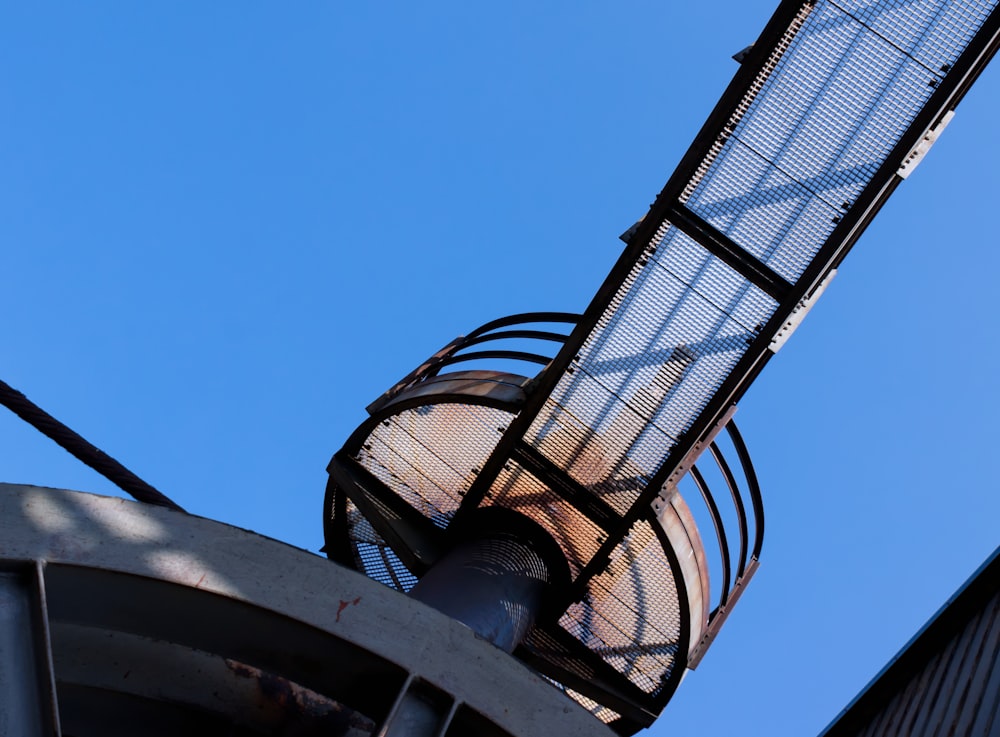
(491, 387)
(275, 625)
(946, 681)
(498, 580)
(420, 711)
(141, 669)
(801, 151)
(26, 697)
(682, 532)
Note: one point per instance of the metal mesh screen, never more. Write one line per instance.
(630, 616)
(373, 556)
(839, 91)
(430, 455)
(603, 713)
(821, 124)
(933, 32)
(787, 171)
(577, 536)
(671, 336)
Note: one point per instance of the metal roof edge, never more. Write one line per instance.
(944, 624)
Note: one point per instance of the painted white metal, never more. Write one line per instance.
(799, 314)
(919, 151)
(103, 555)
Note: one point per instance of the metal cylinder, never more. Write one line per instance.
(496, 580)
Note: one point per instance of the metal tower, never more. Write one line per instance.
(833, 106)
(541, 480)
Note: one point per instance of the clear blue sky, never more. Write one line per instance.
(228, 227)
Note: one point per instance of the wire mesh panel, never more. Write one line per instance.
(934, 32)
(678, 325)
(821, 124)
(797, 157)
(578, 537)
(373, 556)
(430, 455)
(630, 616)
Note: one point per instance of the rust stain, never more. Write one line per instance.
(292, 709)
(201, 580)
(344, 604)
(240, 669)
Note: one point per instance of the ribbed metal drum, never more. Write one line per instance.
(120, 618)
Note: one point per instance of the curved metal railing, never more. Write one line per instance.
(786, 173)
(741, 489)
(456, 352)
(426, 441)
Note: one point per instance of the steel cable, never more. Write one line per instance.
(81, 449)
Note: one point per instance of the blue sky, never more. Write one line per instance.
(228, 228)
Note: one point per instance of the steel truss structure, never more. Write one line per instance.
(831, 109)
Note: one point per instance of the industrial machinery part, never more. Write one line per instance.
(121, 618)
(830, 109)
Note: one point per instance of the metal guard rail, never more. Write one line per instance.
(489, 332)
(398, 454)
(830, 111)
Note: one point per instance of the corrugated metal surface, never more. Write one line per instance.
(954, 687)
(946, 681)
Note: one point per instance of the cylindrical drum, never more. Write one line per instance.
(496, 578)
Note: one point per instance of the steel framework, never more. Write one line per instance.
(831, 109)
(548, 448)
(122, 618)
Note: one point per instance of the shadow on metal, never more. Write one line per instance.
(619, 635)
(831, 108)
(122, 618)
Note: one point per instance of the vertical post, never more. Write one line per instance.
(27, 690)
(420, 711)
